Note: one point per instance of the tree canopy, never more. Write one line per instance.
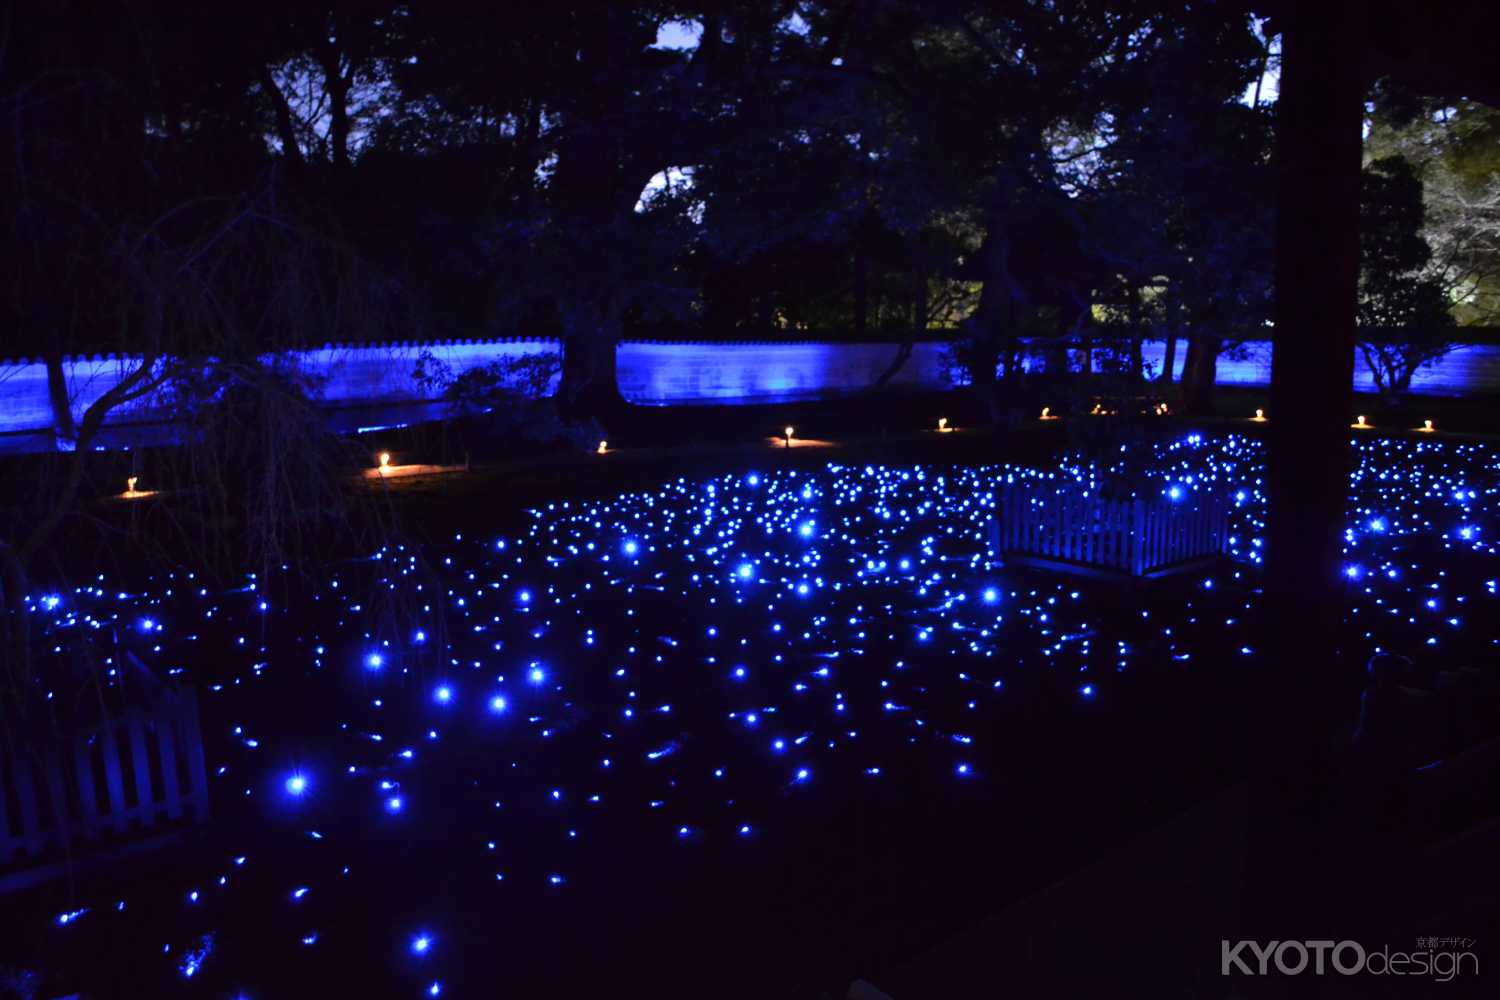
(584, 170)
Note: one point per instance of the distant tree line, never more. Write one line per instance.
(582, 170)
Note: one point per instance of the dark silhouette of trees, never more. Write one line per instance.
(145, 221)
(1401, 303)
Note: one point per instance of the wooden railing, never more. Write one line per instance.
(105, 785)
(1134, 536)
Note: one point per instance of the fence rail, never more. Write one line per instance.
(1135, 537)
(103, 785)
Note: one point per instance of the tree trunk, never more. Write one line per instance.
(1137, 336)
(1169, 359)
(338, 127)
(590, 387)
(903, 355)
(337, 86)
(861, 288)
(1198, 374)
(1294, 864)
(64, 427)
(284, 130)
(920, 303)
(991, 328)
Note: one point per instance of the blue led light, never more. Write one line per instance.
(619, 666)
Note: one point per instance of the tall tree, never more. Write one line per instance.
(1403, 307)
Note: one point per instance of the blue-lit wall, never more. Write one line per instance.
(661, 374)
(368, 386)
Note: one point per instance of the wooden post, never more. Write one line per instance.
(6, 840)
(192, 748)
(25, 782)
(1319, 118)
(113, 780)
(166, 741)
(88, 798)
(140, 763)
(1138, 537)
(57, 795)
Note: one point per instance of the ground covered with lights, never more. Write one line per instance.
(760, 732)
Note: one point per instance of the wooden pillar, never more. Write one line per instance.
(1305, 690)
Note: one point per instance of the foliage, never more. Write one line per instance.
(178, 251)
(1397, 290)
(1454, 148)
(509, 399)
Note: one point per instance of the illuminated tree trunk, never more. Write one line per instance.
(1292, 870)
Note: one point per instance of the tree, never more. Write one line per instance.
(1185, 204)
(607, 133)
(138, 225)
(1004, 122)
(1453, 147)
(1398, 294)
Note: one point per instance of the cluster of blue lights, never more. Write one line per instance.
(710, 655)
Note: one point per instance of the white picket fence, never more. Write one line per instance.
(104, 786)
(1133, 537)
